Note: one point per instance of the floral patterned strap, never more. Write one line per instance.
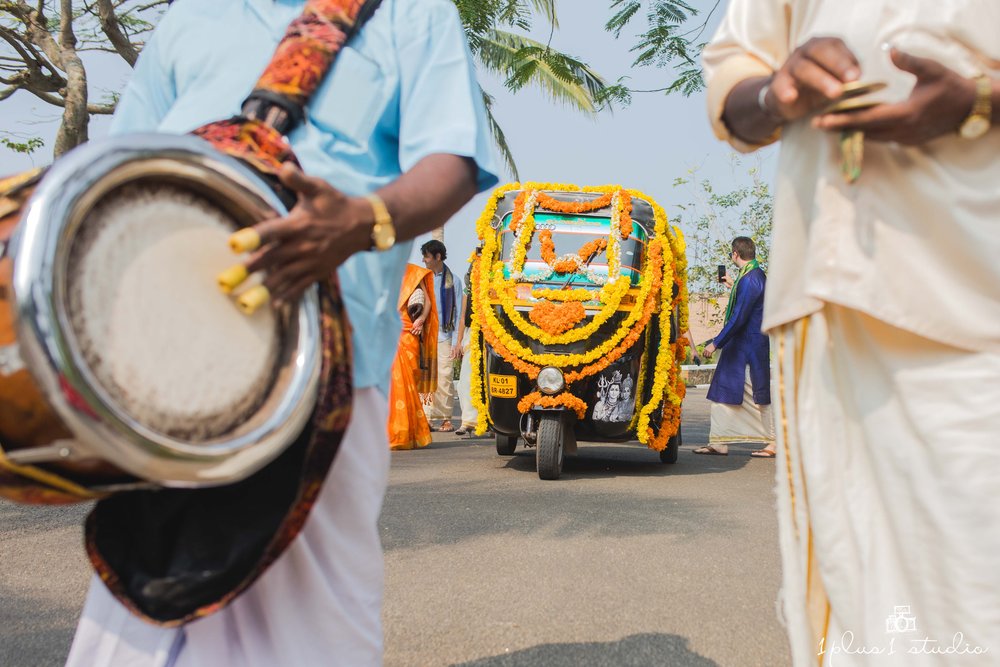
(303, 57)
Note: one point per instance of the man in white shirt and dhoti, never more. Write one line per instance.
(883, 304)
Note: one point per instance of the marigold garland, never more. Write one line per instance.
(580, 294)
(565, 400)
(665, 267)
(550, 203)
(557, 318)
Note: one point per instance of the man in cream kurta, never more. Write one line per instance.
(883, 303)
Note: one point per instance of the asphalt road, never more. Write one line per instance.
(622, 562)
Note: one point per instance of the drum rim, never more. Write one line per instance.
(103, 428)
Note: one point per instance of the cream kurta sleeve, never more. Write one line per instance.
(752, 40)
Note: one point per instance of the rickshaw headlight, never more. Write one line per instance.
(550, 380)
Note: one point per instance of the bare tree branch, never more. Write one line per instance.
(113, 29)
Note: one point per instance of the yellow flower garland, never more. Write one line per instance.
(662, 271)
(580, 294)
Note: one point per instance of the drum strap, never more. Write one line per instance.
(277, 104)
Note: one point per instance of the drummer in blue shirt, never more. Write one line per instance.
(401, 115)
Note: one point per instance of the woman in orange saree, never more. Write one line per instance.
(414, 371)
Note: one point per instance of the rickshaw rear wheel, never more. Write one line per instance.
(506, 444)
(549, 451)
(669, 453)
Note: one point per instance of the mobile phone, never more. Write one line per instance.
(721, 269)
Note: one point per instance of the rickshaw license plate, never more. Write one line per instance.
(503, 386)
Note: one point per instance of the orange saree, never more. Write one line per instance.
(414, 371)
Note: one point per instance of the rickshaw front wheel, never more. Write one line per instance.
(669, 453)
(549, 451)
(506, 444)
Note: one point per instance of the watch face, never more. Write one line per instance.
(975, 127)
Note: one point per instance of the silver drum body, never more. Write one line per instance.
(48, 347)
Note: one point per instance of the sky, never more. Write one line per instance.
(645, 145)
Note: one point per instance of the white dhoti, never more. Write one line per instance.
(443, 404)
(747, 422)
(888, 473)
(470, 415)
(318, 604)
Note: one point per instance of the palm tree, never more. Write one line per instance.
(495, 32)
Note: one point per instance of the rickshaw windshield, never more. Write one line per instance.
(569, 233)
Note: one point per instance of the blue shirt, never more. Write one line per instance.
(404, 88)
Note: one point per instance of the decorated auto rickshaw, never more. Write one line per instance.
(578, 299)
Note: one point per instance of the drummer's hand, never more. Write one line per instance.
(812, 77)
(940, 100)
(323, 229)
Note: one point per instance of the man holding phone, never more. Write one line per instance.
(887, 346)
(741, 385)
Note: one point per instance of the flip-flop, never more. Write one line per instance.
(763, 454)
(711, 451)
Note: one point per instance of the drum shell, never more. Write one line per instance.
(27, 420)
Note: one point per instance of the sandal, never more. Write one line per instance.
(763, 454)
(462, 431)
(710, 450)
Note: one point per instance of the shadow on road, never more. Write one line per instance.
(596, 461)
(646, 650)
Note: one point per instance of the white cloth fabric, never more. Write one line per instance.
(887, 470)
(470, 415)
(443, 404)
(914, 242)
(747, 422)
(318, 604)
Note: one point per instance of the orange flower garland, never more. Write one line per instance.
(565, 400)
(550, 203)
(557, 318)
(586, 252)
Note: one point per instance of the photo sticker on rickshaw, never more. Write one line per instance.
(503, 386)
(615, 401)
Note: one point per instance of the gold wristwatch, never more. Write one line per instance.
(978, 122)
(384, 232)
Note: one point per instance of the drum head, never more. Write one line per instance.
(158, 335)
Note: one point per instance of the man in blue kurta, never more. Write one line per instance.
(401, 115)
(741, 386)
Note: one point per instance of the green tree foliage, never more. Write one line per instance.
(496, 33)
(713, 218)
(672, 35)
